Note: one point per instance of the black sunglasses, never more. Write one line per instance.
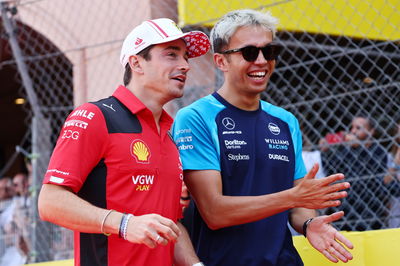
(250, 53)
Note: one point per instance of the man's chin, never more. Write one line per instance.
(176, 94)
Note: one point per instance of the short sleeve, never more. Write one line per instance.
(197, 140)
(300, 168)
(79, 148)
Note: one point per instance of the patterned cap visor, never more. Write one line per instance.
(197, 43)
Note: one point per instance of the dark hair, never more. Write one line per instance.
(218, 44)
(368, 117)
(145, 53)
(127, 74)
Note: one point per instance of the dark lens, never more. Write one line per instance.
(271, 51)
(250, 53)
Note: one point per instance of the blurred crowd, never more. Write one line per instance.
(15, 222)
(370, 165)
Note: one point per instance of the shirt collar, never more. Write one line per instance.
(127, 98)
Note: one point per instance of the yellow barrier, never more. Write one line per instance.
(372, 19)
(55, 263)
(372, 248)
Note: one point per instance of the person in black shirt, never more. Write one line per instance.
(363, 160)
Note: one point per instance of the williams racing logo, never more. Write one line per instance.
(140, 151)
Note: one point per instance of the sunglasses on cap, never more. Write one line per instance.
(250, 53)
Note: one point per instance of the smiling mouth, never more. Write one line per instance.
(180, 78)
(257, 75)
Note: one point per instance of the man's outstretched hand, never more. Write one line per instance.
(327, 240)
(320, 193)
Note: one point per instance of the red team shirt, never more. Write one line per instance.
(111, 154)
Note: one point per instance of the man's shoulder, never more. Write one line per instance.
(118, 118)
(202, 107)
(87, 112)
(277, 111)
(105, 103)
(202, 102)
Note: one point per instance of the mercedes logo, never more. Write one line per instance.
(228, 123)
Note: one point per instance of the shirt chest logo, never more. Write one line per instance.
(274, 129)
(143, 182)
(140, 151)
(228, 123)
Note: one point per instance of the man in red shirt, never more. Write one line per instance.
(115, 176)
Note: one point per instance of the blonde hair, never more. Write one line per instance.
(224, 29)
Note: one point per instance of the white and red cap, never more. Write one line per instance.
(158, 31)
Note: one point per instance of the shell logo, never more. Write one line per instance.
(140, 151)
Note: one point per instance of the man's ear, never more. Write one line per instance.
(135, 64)
(221, 62)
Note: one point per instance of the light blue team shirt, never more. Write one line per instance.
(257, 152)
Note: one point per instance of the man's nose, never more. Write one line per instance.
(184, 66)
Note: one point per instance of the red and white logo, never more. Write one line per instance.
(138, 41)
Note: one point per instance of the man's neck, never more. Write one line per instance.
(244, 101)
(150, 101)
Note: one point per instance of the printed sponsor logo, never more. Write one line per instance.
(228, 123)
(183, 131)
(277, 144)
(277, 141)
(109, 106)
(278, 157)
(274, 129)
(69, 134)
(143, 182)
(184, 139)
(76, 123)
(138, 41)
(231, 132)
(183, 147)
(140, 151)
(278, 147)
(238, 157)
(57, 171)
(234, 144)
(83, 113)
(57, 180)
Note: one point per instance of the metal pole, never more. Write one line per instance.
(18, 56)
(9, 25)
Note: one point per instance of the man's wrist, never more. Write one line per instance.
(305, 225)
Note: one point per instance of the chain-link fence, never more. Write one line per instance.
(58, 54)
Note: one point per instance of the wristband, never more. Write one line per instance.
(305, 225)
(198, 264)
(125, 231)
(102, 223)
(121, 226)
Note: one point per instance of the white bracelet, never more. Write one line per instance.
(124, 230)
(104, 220)
(198, 264)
